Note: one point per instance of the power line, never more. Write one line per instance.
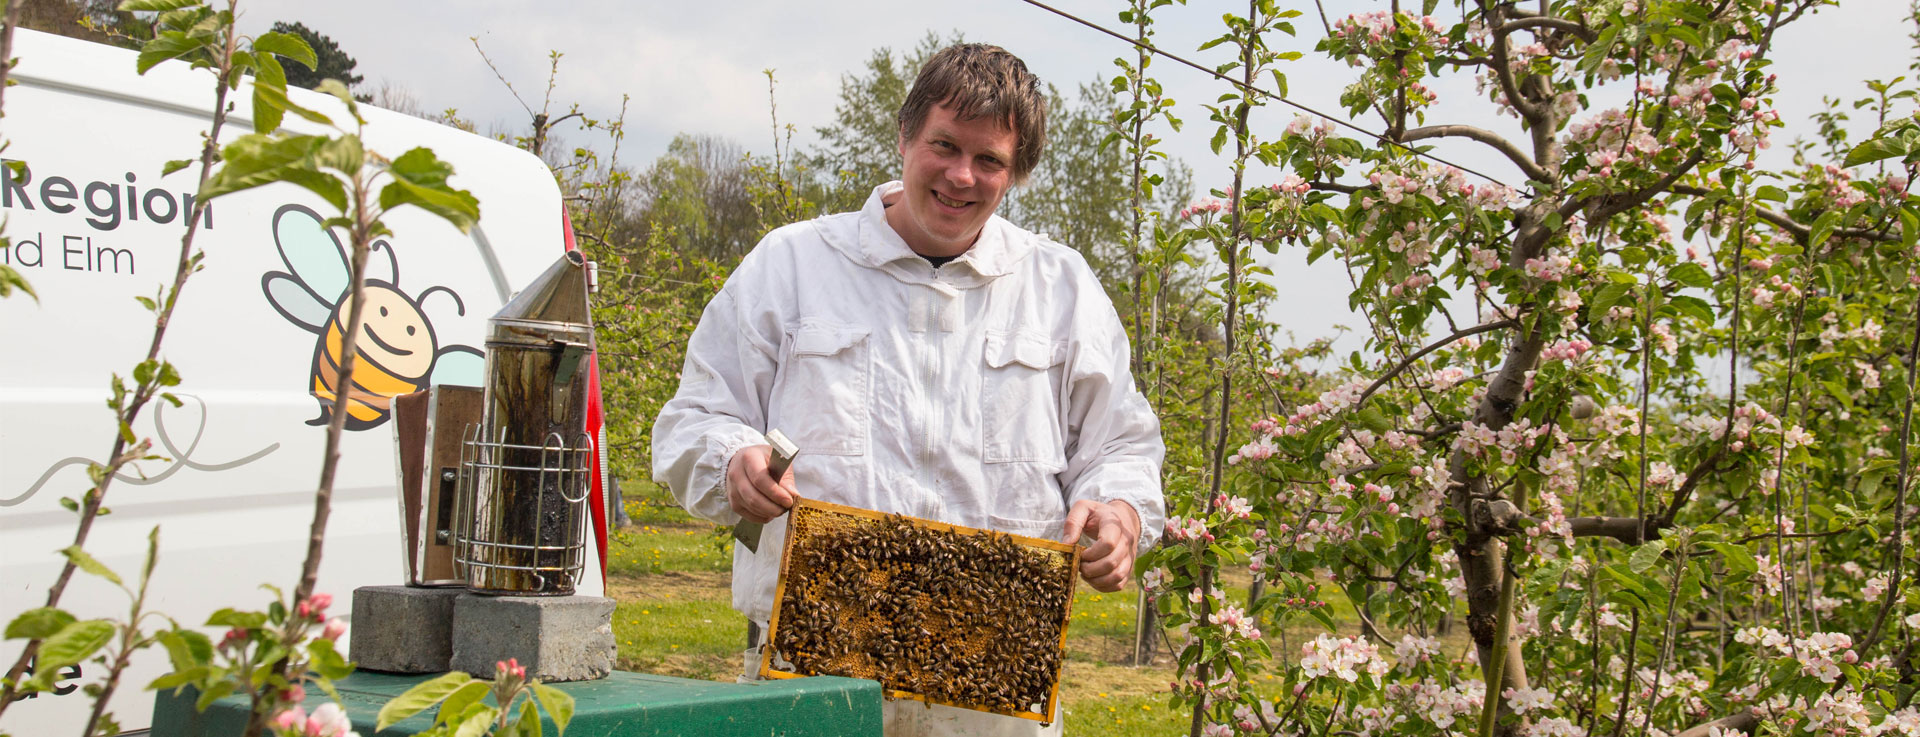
(1150, 48)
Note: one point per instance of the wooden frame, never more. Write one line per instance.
(768, 650)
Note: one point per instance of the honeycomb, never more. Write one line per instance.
(938, 613)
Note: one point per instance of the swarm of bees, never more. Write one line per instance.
(968, 618)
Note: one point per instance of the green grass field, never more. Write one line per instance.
(669, 573)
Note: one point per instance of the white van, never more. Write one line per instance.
(94, 226)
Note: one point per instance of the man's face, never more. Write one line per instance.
(955, 173)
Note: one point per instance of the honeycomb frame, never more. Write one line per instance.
(905, 670)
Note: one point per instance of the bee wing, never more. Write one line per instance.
(295, 302)
(459, 365)
(312, 254)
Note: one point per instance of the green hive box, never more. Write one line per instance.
(620, 705)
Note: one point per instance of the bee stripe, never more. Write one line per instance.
(373, 385)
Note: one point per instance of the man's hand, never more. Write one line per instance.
(1115, 529)
(751, 491)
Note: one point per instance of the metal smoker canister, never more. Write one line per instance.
(527, 463)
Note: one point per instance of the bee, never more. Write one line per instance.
(400, 353)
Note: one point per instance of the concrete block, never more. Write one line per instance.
(557, 638)
(403, 629)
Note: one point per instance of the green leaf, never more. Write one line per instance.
(288, 45)
(177, 679)
(339, 89)
(528, 723)
(1608, 296)
(73, 643)
(1875, 149)
(167, 45)
(1646, 556)
(344, 154)
(155, 6)
(230, 617)
(11, 280)
(478, 723)
(270, 101)
(1373, 419)
(216, 691)
(461, 699)
(38, 624)
(327, 661)
(275, 96)
(557, 703)
(186, 648)
(1693, 307)
(87, 563)
(1597, 51)
(1691, 274)
(420, 179)
(1632, 583)
(418, 698)
(254, 160)
(1823, 228)
(153, 550)
(1741, 564)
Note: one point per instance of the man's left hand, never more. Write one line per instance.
(1107, 563)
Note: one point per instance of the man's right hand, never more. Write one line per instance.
(751, 491)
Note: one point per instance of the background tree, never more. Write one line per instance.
(333, 63)
(700, 191)
(99, 21)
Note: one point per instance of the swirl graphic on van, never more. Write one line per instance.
(399, 351)
(180, 458)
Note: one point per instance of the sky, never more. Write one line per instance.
(698, 69)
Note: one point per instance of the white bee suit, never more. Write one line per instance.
(991, 392)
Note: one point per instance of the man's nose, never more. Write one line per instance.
(961, 174)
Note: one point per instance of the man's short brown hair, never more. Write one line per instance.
(982, 81)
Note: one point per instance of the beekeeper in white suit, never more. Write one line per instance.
(930, 359)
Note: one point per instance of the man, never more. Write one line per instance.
(928, 358)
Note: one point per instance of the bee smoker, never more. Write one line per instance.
(521, 516)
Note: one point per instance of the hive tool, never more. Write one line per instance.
(784, 451)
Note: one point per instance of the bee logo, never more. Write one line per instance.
(399, 354)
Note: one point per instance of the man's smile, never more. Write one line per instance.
(949, 202)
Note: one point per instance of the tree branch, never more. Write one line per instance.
(1742, 722)
(1800, 232)
(1503, 71)
(1627, 530)
(1685, 492)
(1558, 24)
(1610, 206)
(1338, 187)
(1436, 345)
(1504, 146)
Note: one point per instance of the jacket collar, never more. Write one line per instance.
(874, 243)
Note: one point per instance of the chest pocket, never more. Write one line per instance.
(824, 399)
(1019, 409)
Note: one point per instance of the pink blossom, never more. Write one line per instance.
(292, 719)
(329, 721)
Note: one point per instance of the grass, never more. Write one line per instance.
(669, 573)
(662, 547)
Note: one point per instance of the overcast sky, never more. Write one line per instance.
(696, 67)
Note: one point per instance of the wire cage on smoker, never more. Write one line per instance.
(520, 522)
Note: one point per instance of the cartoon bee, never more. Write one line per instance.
(399, 352)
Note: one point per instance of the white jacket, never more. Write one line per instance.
(992, 392)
